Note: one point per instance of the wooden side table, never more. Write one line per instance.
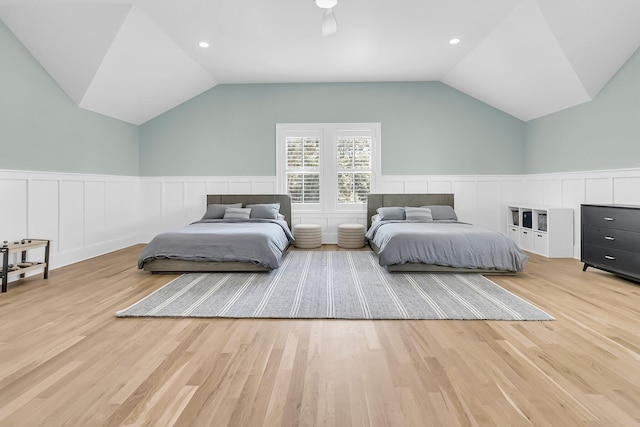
(23, 246)
(308, 236)
(351, 236)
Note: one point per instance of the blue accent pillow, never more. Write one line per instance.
(391, 213)
(442, 213)
(216, 211)
(265, 210)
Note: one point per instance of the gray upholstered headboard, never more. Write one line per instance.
(247, 199)
(375, 201)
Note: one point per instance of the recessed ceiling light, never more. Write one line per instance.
(454, 41)
(203, 44)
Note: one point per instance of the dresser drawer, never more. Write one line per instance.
(617, 239)
(611, 259)
(610, 217)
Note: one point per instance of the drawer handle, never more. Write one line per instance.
(539, 235)
(607, 218)
(524, 232)
(610, 258)
(609, 238)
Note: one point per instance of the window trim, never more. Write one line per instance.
(327, 133)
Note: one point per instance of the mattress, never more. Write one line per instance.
(446, 243)
(255, 241)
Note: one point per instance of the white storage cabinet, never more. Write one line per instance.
(546, 231)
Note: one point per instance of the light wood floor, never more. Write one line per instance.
(66, 360)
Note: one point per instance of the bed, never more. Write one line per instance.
(433, 240)
(228, 237)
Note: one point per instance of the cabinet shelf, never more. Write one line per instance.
(23, 270)
(23, 247)
(543, 230)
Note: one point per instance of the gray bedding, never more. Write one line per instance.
(447, 243)
(257, 241)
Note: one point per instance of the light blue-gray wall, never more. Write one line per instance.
(427, 128)
(597, 135)
(41, 129)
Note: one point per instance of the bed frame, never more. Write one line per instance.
(375, 201)
(182, 266)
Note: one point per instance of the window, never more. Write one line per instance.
(354, 168)
(328, 167)
(303, 169)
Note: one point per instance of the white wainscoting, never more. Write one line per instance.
(479, 199)
(83, 215)
(571, 189)
(171, 202)
(89, 215)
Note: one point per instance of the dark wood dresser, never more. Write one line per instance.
(611, 239)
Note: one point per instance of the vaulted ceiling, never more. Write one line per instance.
(135, 59)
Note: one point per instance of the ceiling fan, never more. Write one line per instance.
(329, 24)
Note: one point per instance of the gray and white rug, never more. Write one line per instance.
(334, 285)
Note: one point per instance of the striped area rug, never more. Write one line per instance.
(334, 285)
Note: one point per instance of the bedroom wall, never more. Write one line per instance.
(427, 128)
(597, 135)
(589, 153)
(84, 215)
(43, 130)
(66, 174)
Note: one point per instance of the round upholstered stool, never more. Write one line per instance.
(308, 236)
(351, 236)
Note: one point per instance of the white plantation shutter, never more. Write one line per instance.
(354, 168)
(303, 169)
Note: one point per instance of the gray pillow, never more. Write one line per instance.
(265, 210)
(237, 213)
(391, 213)
(442, 212)
(418, 214)
(216, 211)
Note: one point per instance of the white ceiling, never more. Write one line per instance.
(136, 59)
